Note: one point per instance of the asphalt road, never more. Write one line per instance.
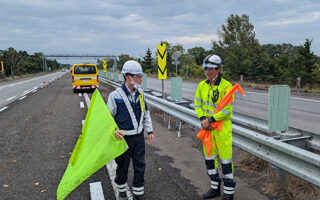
(39, 132)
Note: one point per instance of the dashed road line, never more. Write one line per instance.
(2, 109)
(111, 166)
(81, 104)
(86, 97)
(80, 95)
(96, 191)
(22, 97)
(11, 98)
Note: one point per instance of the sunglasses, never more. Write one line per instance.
(208, 68)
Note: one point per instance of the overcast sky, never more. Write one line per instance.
(131, 26)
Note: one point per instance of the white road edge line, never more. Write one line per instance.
(81, 104)
(2, 109)
(83, 122)
(22, 97)
(96, 192)
(11, 98)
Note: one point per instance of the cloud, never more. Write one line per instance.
(194, 39)
(307, 18)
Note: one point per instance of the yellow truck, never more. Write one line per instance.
(84, 76)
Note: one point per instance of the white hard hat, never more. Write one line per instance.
(212, 61)
(132, 67)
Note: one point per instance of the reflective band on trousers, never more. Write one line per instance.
(138, 190)
(212, 171)
(122, 188)
(136, 129)
(228, 190)
(210, 157)
(227, 176)
(214, 185)
(226, 161)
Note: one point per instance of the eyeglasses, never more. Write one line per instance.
(137, 75)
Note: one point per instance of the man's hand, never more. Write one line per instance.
(119, 134)
(206, 125)
(151, 138)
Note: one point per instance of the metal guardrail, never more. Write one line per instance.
(292, 159)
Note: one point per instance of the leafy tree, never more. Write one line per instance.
(237, 46)
(198, 54)
(12, 57)
(122, 59)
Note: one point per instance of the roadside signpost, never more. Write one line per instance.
(2, 70)
(162, 67)
(104, 64)
(175, 57)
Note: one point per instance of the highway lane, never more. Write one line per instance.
(18, 89)
(38, 134)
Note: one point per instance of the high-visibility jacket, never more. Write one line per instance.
(204, 135)
(207, 99)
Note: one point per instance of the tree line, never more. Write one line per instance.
(242, 54)
(20, 62)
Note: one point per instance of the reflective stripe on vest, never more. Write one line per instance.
(137, 129)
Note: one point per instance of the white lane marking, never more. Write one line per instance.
(26, 91)
(34, 91)
(2, 109)
(297, 98)
(86, 97)
(35, 87)
(96, 192)
(11, 98)
(111, 167)
(81, 104)
(13, 84)
(311, 100)
(80, 95)
(23, 94)
(22, 97)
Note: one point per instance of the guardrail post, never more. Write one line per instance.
(178, 124)
(298, 84)
(241, 78)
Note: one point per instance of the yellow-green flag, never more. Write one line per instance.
(96, 146)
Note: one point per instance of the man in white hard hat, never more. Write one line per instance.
(207, 98)
(129, 109)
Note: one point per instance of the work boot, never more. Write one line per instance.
(138, 197)
(212, 193)
(227, 196)
(123, 196)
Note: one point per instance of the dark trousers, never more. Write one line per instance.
(136, 151)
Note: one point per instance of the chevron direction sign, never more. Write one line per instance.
(162, 61)
(104, 63)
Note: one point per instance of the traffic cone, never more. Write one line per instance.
(44, 84)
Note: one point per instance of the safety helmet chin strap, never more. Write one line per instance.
(213, 79)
